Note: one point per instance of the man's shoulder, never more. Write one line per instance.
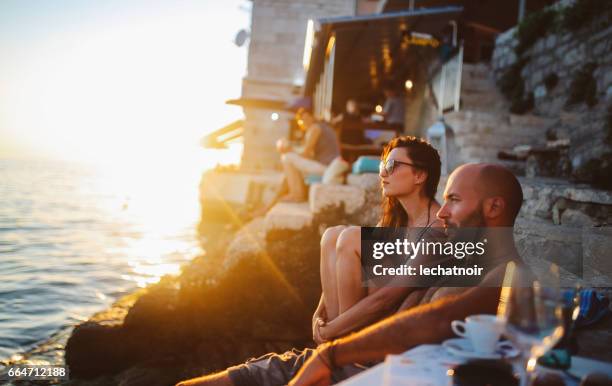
(315, 127)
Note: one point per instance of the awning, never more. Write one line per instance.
(270, 104)
(375, 46)
(499, 15)
(219, 138)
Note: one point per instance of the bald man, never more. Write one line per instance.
(476, 195)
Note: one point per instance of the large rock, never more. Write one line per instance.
(98, 346)
(370, 182)
(221, 310)
(371, 212)
(324, 196)
(250, 240)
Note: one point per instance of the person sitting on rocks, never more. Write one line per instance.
(394, 107)
(409, 174)
(476, 195)
(320, 149)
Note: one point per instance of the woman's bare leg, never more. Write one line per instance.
(348, 269)
(328, 270)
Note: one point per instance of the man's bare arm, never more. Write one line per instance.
(429, 323)
(310, 141)
(368, 310)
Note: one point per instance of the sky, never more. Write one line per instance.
(125, 80)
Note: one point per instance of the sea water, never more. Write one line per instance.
(74, 238)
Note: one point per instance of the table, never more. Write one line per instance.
(435, 361)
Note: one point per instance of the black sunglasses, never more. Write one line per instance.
(389, 165)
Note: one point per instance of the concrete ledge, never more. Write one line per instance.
(288, 216)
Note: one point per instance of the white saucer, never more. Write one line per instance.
(463, 348)
(581, 367)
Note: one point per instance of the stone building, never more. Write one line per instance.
(275, 69)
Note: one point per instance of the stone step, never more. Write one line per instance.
(530, 120)
(479, 135)
(323, 197)
(288, 216)
(477, 70)
(547, 198)
(493, 139)
(500, 128)
(484, 78)
(496, 118)
(471, 85)
(484, 101)
(481, 117)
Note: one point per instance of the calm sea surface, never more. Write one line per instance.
(73, 238)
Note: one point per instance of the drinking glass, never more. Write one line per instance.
(532, 310)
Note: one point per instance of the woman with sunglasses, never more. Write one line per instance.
(409, 174)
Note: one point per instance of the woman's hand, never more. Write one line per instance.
(325, 332)
(283, 145)
(317, 325)
(318, 319)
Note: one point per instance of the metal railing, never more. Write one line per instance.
(446, 83)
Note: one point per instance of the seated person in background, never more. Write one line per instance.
(319, 149)
(409, 174)
(350, 125)
(476, 195)
(394, 109)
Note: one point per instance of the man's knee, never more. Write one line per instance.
(288, 158)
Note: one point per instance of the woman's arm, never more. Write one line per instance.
(365, 312)
(319, 317)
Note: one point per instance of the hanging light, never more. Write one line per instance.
(274, 116)
(408, 84)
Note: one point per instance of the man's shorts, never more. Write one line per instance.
(303, 164)
(278, 369)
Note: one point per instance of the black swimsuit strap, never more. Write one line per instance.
(428, 223)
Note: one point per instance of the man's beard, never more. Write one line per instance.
(473, 220)
(470, 229)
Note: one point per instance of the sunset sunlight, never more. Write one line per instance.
(349, 192)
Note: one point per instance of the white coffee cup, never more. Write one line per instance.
(483, 331)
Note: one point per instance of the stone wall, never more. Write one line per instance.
(562, 55)
(275, 69)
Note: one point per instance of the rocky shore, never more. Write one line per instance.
(256, 287)
(253, 292)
